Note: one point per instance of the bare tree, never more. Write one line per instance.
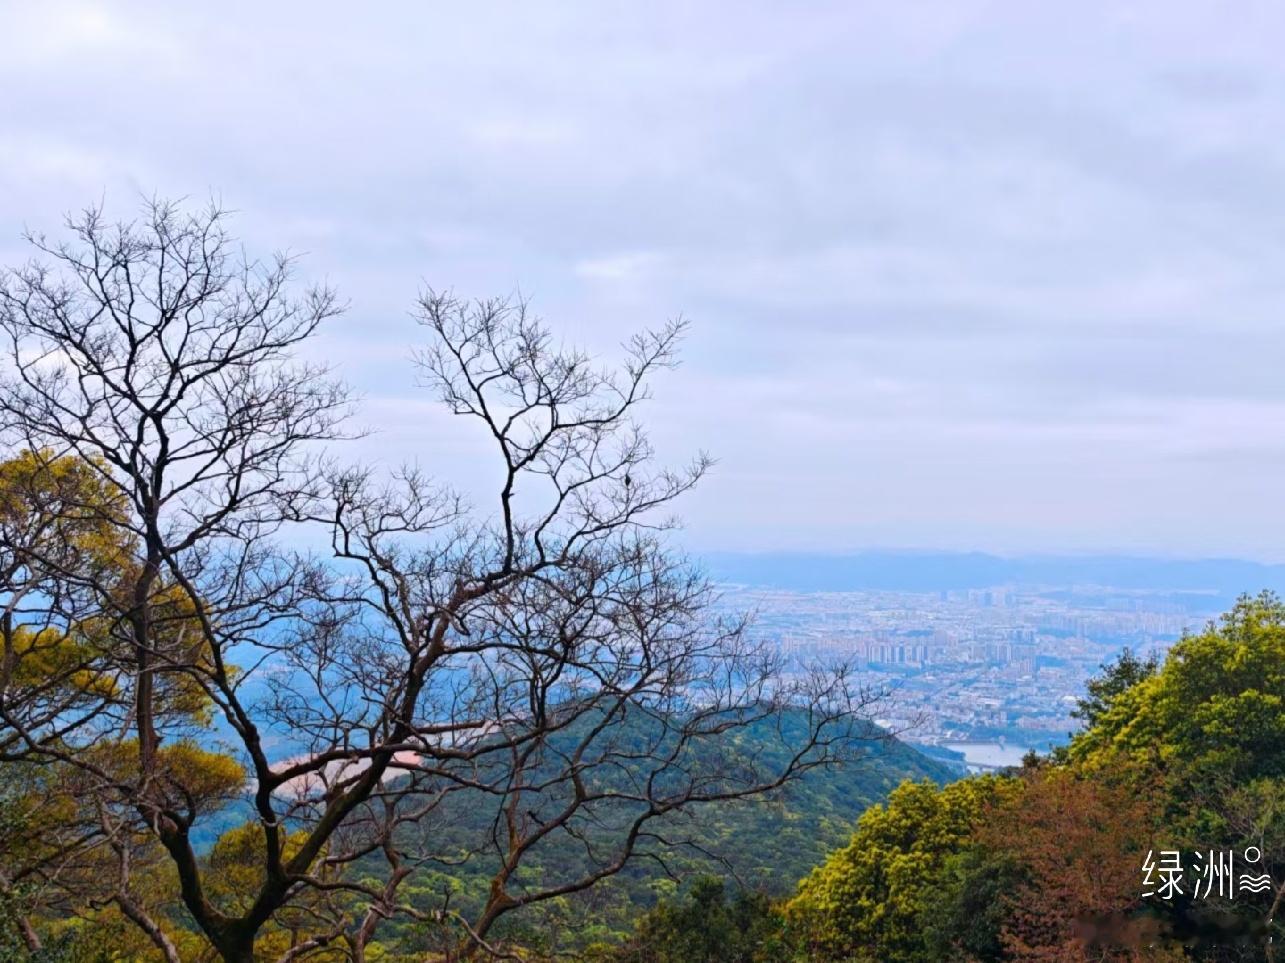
(544, 659)
(160, 358)
(552, 663)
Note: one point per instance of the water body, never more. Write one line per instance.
(989, 755)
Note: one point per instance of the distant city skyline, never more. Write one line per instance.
(961, 275)
(973, 666)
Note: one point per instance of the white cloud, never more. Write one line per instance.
(963, 273)
(620, 267)
(53, 34)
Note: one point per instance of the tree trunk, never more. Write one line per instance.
(29, 935)
(237, 954)
(236, 947)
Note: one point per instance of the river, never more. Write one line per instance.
(990, 755)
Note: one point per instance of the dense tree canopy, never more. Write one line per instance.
(1215, 711)
(874, 899)
(1046, 863)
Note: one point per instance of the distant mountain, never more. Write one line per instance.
(942, 571)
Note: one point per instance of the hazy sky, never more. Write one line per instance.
(962, 275)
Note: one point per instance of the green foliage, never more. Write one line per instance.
(1215, 711)
(971, 905)
(1117, 677)
(767, 842)
(706, 926)
(1187, 755)
(873, 899)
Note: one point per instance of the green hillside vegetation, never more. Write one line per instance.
(1046, 862)
(762, 845)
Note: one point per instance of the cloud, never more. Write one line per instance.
(618, 268)
(42, 35)
(962, 274)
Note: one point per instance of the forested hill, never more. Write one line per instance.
(768, 843)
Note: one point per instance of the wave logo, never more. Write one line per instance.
(1255, 884)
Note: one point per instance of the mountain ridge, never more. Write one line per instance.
(1223, 579)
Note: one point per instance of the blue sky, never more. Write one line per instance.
(961, 275)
